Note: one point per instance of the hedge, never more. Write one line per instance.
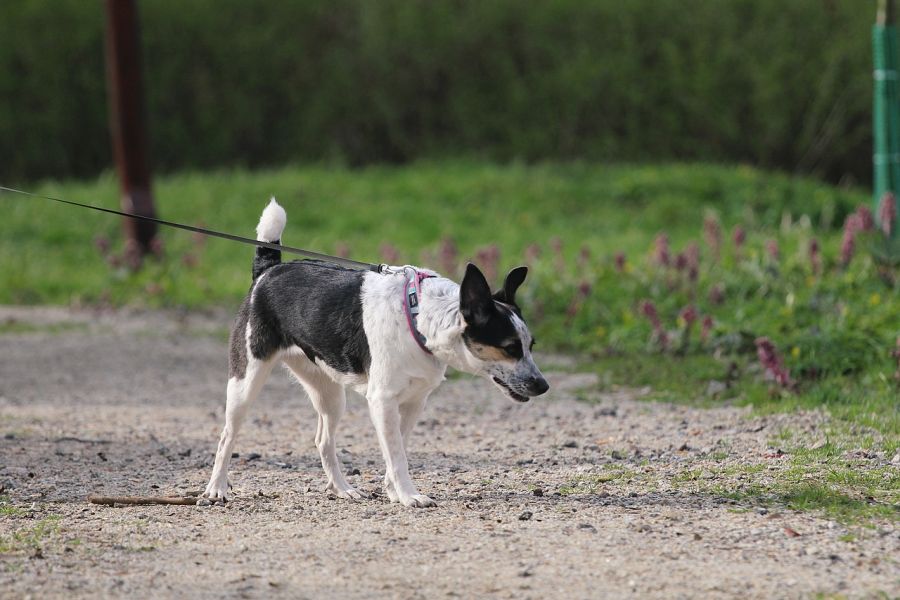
(230, 82)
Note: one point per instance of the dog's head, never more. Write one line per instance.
(496, 339)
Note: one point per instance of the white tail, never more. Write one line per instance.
(271, 223)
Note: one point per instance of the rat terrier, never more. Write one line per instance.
(389, 336)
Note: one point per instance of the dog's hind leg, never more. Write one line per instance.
(329, 399)
(241, 394)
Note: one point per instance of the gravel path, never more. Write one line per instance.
(555, 498)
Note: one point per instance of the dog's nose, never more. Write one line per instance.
(537, 385)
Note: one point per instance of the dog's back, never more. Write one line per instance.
(310, 304)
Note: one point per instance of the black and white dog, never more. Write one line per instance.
(335, 328)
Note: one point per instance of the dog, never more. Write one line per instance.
(389, 336)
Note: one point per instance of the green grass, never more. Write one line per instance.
(13, 327)
(30, 538)
(47, 252)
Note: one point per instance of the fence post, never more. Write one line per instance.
(127, 127)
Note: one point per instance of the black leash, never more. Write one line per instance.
(353, 264)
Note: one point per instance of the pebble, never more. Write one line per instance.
(587, 527)
(537, 492)
(526, 516)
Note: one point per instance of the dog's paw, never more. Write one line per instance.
(417, 501)
(214, 494)
(347, 492)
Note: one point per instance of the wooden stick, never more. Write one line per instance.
(111, 500)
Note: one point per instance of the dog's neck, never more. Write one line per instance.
(442, 324)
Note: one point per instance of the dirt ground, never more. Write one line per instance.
(129, 403)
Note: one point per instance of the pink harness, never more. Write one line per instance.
(414, 280)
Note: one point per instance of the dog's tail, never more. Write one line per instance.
(271, 225)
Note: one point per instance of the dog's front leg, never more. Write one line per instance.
(385, 412)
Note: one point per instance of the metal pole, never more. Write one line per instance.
(126, 123)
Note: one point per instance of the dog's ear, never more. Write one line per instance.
(513, 280)
(475, 301)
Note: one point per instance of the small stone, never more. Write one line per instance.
(697, 537)
(570, 444)
(353, 471)
(254, 456)
(684, 447)
(537, 492)
(616, 455)
(526, 516)
(896, 459)
(762, 511)
(587, 527)
(235, 455)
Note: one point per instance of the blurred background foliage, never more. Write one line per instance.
(784, 85)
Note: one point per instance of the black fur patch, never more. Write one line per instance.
(264, 259)
(237, 342)
(314, 305)
(497, 331)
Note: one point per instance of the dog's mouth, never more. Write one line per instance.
(515, 396)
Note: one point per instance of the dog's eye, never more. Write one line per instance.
(513, 349)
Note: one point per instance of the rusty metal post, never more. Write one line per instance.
(126, 123)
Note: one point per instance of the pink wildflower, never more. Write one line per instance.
(865, 217)
(712, 234)
(887, 213)
(852, 226)
(132, 255)
(661, 250)
(198, 239)
(649, 311)
(706, 328)
(815, 258)
(556, 245)
(692, 254)
(342, 250)
(448, 256)
(584, 290)
(689, 314)
(738, 236)
(101, 243)
(584, 257)
(389, 254)
(156, 247)
(717, 294)
(896, 355)
(189, 260)
(489, 259)
(771, 362)
(680, 261)
(772, 250)
(620, 262)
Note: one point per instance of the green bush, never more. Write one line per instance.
(228, 82)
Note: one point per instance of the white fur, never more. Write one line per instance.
(271, 223)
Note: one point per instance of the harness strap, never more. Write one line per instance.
(411, 297)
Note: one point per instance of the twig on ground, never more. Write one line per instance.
(112, 500)
(81, 441)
